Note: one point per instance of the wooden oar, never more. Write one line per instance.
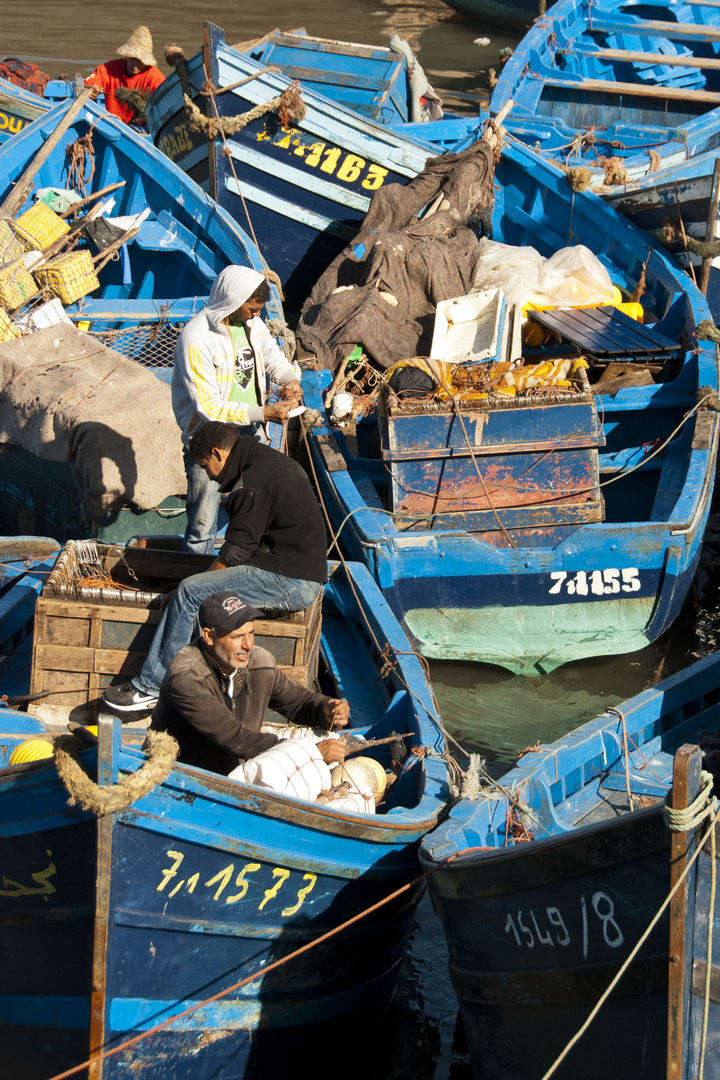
(17, 193)
(91, 198)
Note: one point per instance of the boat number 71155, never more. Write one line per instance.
(596, 582)
(528, 932)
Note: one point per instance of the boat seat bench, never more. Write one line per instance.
(606, 332)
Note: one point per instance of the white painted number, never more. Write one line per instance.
(596, 582)
(551, 918)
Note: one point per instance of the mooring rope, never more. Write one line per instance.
(162, 751)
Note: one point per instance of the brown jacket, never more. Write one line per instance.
(213, 734)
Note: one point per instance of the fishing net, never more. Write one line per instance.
(151, 344)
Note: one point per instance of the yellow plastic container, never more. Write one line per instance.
(69, 277)
(16, 285)
(633, 311)
(39, 227)
(10, 247)
(30, 750)
(7, 330)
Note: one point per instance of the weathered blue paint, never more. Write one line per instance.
(561, 79)
(209, 880)
(24, 563)
(18, 108)
(307, 187)
(536, 930)
(467, 594)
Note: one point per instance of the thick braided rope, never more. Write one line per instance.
(162, 751)
(703, 806)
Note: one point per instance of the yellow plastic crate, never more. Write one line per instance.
(10, 247)
(69, 277)
(7, 330)
(39, 227)
(16, 285)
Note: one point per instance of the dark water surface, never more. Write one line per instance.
(486, 709)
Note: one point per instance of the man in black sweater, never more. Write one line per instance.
(273, 555)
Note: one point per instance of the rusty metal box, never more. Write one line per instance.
(494, 466)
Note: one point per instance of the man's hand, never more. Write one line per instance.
(291, 391)
(337, 712)
(332, 750)
(96, 92)
(278, 412)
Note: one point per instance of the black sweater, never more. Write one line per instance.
(275, 521)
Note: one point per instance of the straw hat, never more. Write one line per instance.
(139, 46)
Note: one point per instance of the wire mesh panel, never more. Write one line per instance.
(150, 344)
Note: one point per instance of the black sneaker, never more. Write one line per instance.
(127, 698)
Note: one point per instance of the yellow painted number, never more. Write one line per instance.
(241, 880)
(302, 893)
(224, 878)
(178, 857)
(374, 179)
(331, 159)
(351, 168)
(314, 156)
(282, 876)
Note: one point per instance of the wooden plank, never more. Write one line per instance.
(100, 661)
(651, 59)
(278, 628)
(328, 447)
(655, 28)
(72, 609)
(605, 331)
(667, 93)
(335, 78)
(686, 785)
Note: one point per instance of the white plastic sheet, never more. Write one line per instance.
(573, 276)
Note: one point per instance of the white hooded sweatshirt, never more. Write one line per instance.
(205, 358)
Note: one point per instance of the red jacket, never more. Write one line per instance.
(112, 75)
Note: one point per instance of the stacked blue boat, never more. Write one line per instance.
(474, 521)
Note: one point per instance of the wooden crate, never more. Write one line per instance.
(88, 637)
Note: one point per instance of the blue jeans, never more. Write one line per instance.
(272, 593)
(203, 504)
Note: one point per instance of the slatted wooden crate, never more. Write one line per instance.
(88, 637)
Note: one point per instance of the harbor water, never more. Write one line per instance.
(487, 710)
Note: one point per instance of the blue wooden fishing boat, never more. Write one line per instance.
(533, 587)
(557, 871)
(300, 186)
(170, 265)
(110, 926)
(369, 79)
(596, 82)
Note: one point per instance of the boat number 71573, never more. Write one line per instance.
(596, 582)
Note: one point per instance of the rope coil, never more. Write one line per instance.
(703, 806)
(162, 751)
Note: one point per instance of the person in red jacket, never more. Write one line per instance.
(136, 71)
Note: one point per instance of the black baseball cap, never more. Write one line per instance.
(226, 611)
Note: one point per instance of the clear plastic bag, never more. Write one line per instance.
(572, 277)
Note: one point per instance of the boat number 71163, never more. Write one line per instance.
(596, 582)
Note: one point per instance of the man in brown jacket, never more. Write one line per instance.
(215, 693)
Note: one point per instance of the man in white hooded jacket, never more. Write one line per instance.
(222, 359)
